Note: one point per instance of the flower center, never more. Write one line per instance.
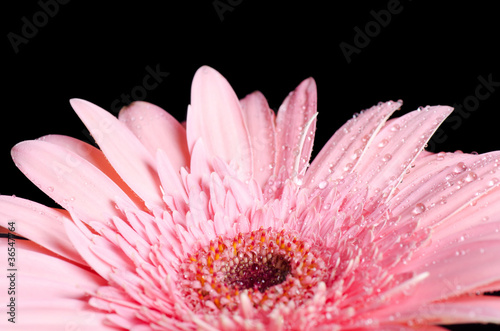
(260, 272)
(269, 267)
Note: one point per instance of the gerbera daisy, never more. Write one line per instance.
(224, 225)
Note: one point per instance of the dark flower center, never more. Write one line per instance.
(266, 266)
(259, 272)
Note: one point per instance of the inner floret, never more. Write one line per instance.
(268, 267)
(259, 272)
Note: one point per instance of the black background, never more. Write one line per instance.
(427, 54)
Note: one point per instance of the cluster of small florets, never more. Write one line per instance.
(269, 267)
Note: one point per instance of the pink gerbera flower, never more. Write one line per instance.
(224, 225)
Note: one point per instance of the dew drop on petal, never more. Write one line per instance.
(396, 127)
(50, 188)
(348, 167)
(322, 184)
(460, 167)
(493, 182)
(387, 157)
(419, 209)
(383, 143)
(471, 176)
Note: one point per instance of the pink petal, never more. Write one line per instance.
(83, 245)
(157, 129)
(51, 293)
(59, 315)
(124, 151)
(169, 176)
(200, 161)
(396, 147)
(216, 116)
(447, 276)
(295, 128)
(470, 309)
(428, 164)
(447, 186)
(69, 179)
(259, 119)
(345, 148)
(38, 223)
(406, 327)
(95, 156)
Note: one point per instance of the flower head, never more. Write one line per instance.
(224, 224)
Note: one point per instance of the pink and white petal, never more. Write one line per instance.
(447, 276)
(201, 165)
(405, 327)
(40, 224)
(346, 147)
(215, 115)
(295, 129)
(59, 316)
(396, 147)
(169, 176)
(259, 119)
(157, 129)
(51, 293)
(124, 151)
(83, 244)
(429, 164)
(467, 309)
(443, 193)
(96, 157)
(69, 179)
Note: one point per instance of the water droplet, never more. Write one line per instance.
(460, 167)
(387, 157)
(357, 153)
(322, 184)
(50, 188)
(298, 181)
(419, 209)
(440, 156)
(383, 143)
(348, 166)
(493, 182)
(396, 127)
(471, 176)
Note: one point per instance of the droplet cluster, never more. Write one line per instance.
(269, 267)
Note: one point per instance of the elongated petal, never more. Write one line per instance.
(83, 244)
(156, 129)
(259, 119)
(473, 309)
(294, 137)
(124, 151)
(447, 276)
(169, 176)
(69, 179)
(95, 156)
(215, 115)
(445, 192)
(51, 293)
(344, 150)
(39, 223)
(396, 147)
